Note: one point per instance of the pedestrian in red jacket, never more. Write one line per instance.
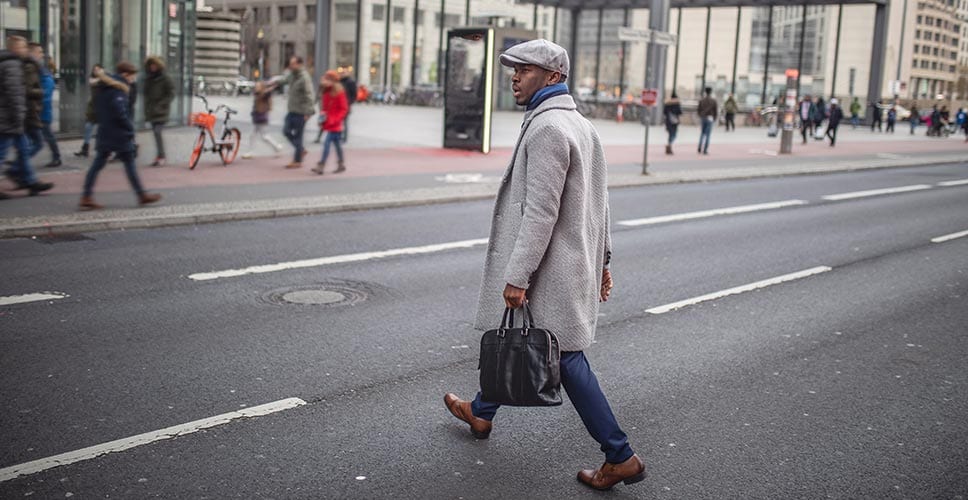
(332, 113)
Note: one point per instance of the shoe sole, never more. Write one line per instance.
(629, 480)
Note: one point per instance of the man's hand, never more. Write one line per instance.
(307, 117)
(606, 285)
(514, 297)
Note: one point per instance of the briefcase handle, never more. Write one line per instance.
(507, 322)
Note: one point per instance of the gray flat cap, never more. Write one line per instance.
(541, 53)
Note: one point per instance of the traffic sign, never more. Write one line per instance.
(664, 38)
(649, 97)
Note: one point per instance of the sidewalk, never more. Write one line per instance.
(394, 159)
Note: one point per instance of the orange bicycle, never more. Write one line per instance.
(227, 147)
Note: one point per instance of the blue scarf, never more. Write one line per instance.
(547, 93)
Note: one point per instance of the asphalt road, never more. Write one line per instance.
(849, 383)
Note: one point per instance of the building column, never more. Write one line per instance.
(878, 51)
(534, 18)
(554, 27)
(413, 46)
(675, 65)
(739, 17)
(598, 52)
(705, 50)
(803, 34)
(386, 48)
(766, 60)
(359, 41)
(621, 71)
(656, 55)
(324, 37)
(573, 50)
(440, 45)
(840, 17)
(467, 13)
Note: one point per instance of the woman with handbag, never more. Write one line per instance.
(332, 113)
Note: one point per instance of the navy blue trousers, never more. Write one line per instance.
(582, 387)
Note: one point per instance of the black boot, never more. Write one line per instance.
(85, 149)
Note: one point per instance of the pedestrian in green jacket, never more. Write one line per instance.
(301, 106)
(159, 92)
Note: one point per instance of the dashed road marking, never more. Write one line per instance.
(712, 213)
(875, 192)
(88, 453)
(337, 259)
(31, 297)
(949, 237)
(959, 182)
(739, 289)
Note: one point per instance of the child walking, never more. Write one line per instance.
(261, 106)
(332, 113)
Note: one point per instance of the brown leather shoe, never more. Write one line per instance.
(88, 203)
(147, 198)
(480, 428)
(630, 471)
(294, 164)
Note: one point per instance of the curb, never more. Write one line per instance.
(242, 211)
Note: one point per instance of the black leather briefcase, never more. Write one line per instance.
(520, 366)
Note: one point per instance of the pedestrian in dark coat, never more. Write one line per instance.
(836, 115)
(819, 115)
(671, 112)
(48, 86)
(349, 85)
(730, 108)
(115, 133)
(549, 246)
(14, 115)
(806, 110)
(708, 111)
(159, 92)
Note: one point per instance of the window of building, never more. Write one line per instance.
(951, 69)
(345, 54)
(288, 13)
(935, 51)
(934, 65)
(346, 12)
(286, 51)
(311, 13)
(917, 34)
(379, 12)
(420, 16)
(399, 14)
(914, 63)
(920, 19)
(937, 37)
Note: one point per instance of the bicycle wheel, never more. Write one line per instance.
(197, 150)
(231, 150)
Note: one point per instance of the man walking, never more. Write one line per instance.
(549, 246)
(833, 121)
(301, 108)
(708, 111)
(115, 134)
(855, 113)
(13, 117)
(159, 92)
(730, 108)
(807, 110)
(47, 87)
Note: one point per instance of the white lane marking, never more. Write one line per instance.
(711, 213)
(959, 182)
(31, 297)
(739, 289)
(337, 259)
(71, 457)
(949, 237)
(875, 192)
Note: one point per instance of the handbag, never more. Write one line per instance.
(520, 366)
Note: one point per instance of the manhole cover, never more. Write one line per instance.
(329, 293)
(313, 297)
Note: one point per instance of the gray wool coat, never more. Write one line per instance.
(550, 225)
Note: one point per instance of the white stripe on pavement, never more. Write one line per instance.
(71, 457)
(711, 213)
(31, 297)
(959, 182)
(949, 237)
(739, 289)
(875, 192)
(337, 259)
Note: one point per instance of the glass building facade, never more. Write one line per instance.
(76, 34)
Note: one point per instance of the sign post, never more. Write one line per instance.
(649, 98)
(790, 106)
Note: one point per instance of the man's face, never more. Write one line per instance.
(528, 79)
(130, 77)
(294, 64)
(37, 53)
(153, 68)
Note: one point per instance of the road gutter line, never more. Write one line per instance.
(875, 192)
(71, 457)
(739, 289)
(31, 297)
(959, 182)
(337, 259)
(711, 213)
(949, 237)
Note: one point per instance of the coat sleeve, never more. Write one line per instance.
(13, 84)
(169, 90)
(119, 111)
(548, 158)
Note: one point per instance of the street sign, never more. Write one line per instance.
(664, 38)
(627, 34)
(649, 97)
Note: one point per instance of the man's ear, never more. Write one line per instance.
(554, 77)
